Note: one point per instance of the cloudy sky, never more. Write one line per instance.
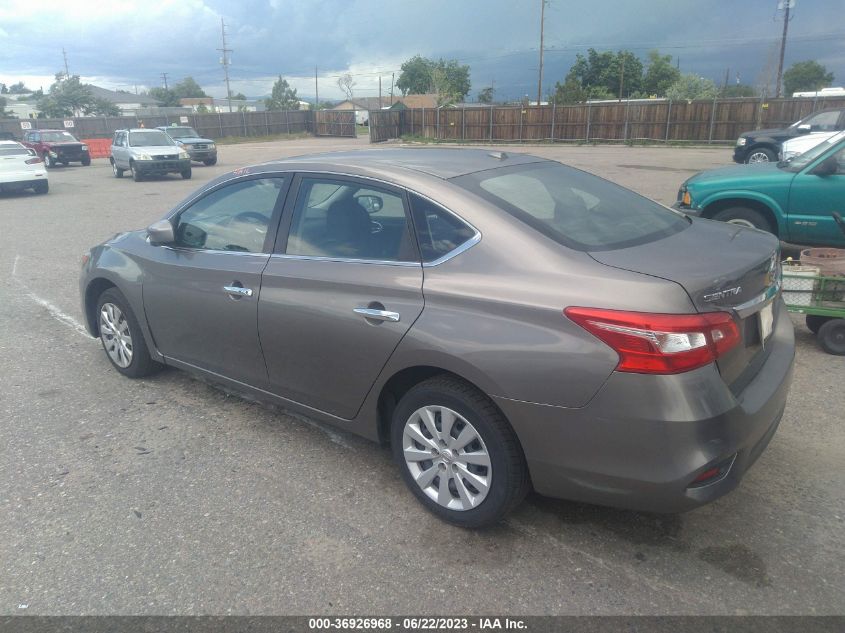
(129, 43)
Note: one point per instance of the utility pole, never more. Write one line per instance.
(164, 78)
(379, 92)
(542, 25)
(725, 85)
(316, 91)
(786, 4)
(67, 72)
(392, 78)
(621, 76)
(225, 61)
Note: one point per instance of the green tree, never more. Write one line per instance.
(188, 88)
(239, 96)
(5, 114)
(448, 79)
(3, 89)
(101, 107)
(660, 74)
(806, 76)
(68, 96)
(165, 97)
(738, 90)
(485, 95)
(202, 109)
(604, 70)
(283, 97)
(18, 88)
(569, 92)
(690, 86)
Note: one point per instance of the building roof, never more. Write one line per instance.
(120, 97)
(373, 103)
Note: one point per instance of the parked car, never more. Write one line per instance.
(800, 144)
(145, 152)
(763, 146)
(793, 199)
(57, 146)
(503, 321)
(203, 150)
(21, 168)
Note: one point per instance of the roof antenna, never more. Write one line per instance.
(498, 155)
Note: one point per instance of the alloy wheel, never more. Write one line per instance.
(447, 457)
(115, 334)
(758, 157)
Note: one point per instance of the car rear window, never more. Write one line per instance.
(574, 208)
(13, 150)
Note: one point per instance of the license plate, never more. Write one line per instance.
(767, 318)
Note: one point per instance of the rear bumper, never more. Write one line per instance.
(22, 179)
(642, 440)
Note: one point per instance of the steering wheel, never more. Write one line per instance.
(253, 217)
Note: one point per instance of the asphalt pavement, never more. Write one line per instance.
(169, 496)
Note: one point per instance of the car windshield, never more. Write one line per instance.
(574, 208)
(57, 137)
(799, 162)
(149, 139)
(182, 132)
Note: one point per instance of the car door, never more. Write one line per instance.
(342, 288)
(812, 200)
(201, 293)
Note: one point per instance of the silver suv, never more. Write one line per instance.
(143, 152)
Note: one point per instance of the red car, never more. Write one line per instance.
(57, 146)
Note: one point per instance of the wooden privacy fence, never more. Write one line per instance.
(713, 120)
(214, 125)
(335, 123)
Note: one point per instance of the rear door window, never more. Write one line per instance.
(439, 232)
(574, 208)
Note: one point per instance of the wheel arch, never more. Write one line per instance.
(758, 202)
(93, 291)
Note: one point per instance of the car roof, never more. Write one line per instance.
(439, 162)
(10, 142)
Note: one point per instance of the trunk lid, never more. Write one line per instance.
(722, 267)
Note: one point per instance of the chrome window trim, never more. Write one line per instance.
(188, 249)
(347, 260)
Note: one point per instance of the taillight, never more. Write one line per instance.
(660, 343)
(33, 160)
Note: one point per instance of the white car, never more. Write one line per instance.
(800, 144)
(21, 168)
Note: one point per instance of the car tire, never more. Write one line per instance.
(86, 162)
(761, 155)
(49, 163)
(208, 162)
(186, 174)
(495, 456)
(65, 163)
(127, 352)
(745, 216)
(832, 336)
(814, 322)
(42, 186)
(117, 171)
(136, 175)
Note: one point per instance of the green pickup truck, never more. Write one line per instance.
(793, 199)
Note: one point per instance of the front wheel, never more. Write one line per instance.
(186, 174)
(117, 171)
(136, 175)
(121, 336)
(208, 162)
(457, 453)
(745, 216)
(86, 162)
(761, 155)
(832, 336)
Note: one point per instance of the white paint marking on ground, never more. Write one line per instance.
(54, 310)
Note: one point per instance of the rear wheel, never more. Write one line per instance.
(760, 155)
(745, 216)
(457, 453)
(121, 336)
(832, 337)
(814, 322)
(117, 171)
(186, 173)
(42, 186)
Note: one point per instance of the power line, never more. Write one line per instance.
(225, 61)
(64, 54)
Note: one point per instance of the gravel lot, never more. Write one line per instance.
(168, 496)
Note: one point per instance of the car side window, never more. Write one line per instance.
(824, 122)
(438, 231)
(345, 219)
(233, 218)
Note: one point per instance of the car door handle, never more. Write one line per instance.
(377, 315)
(239, 291)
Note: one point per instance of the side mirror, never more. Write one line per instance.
(804, 128)
(373, 204)
(827, 167)
(161, 232)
